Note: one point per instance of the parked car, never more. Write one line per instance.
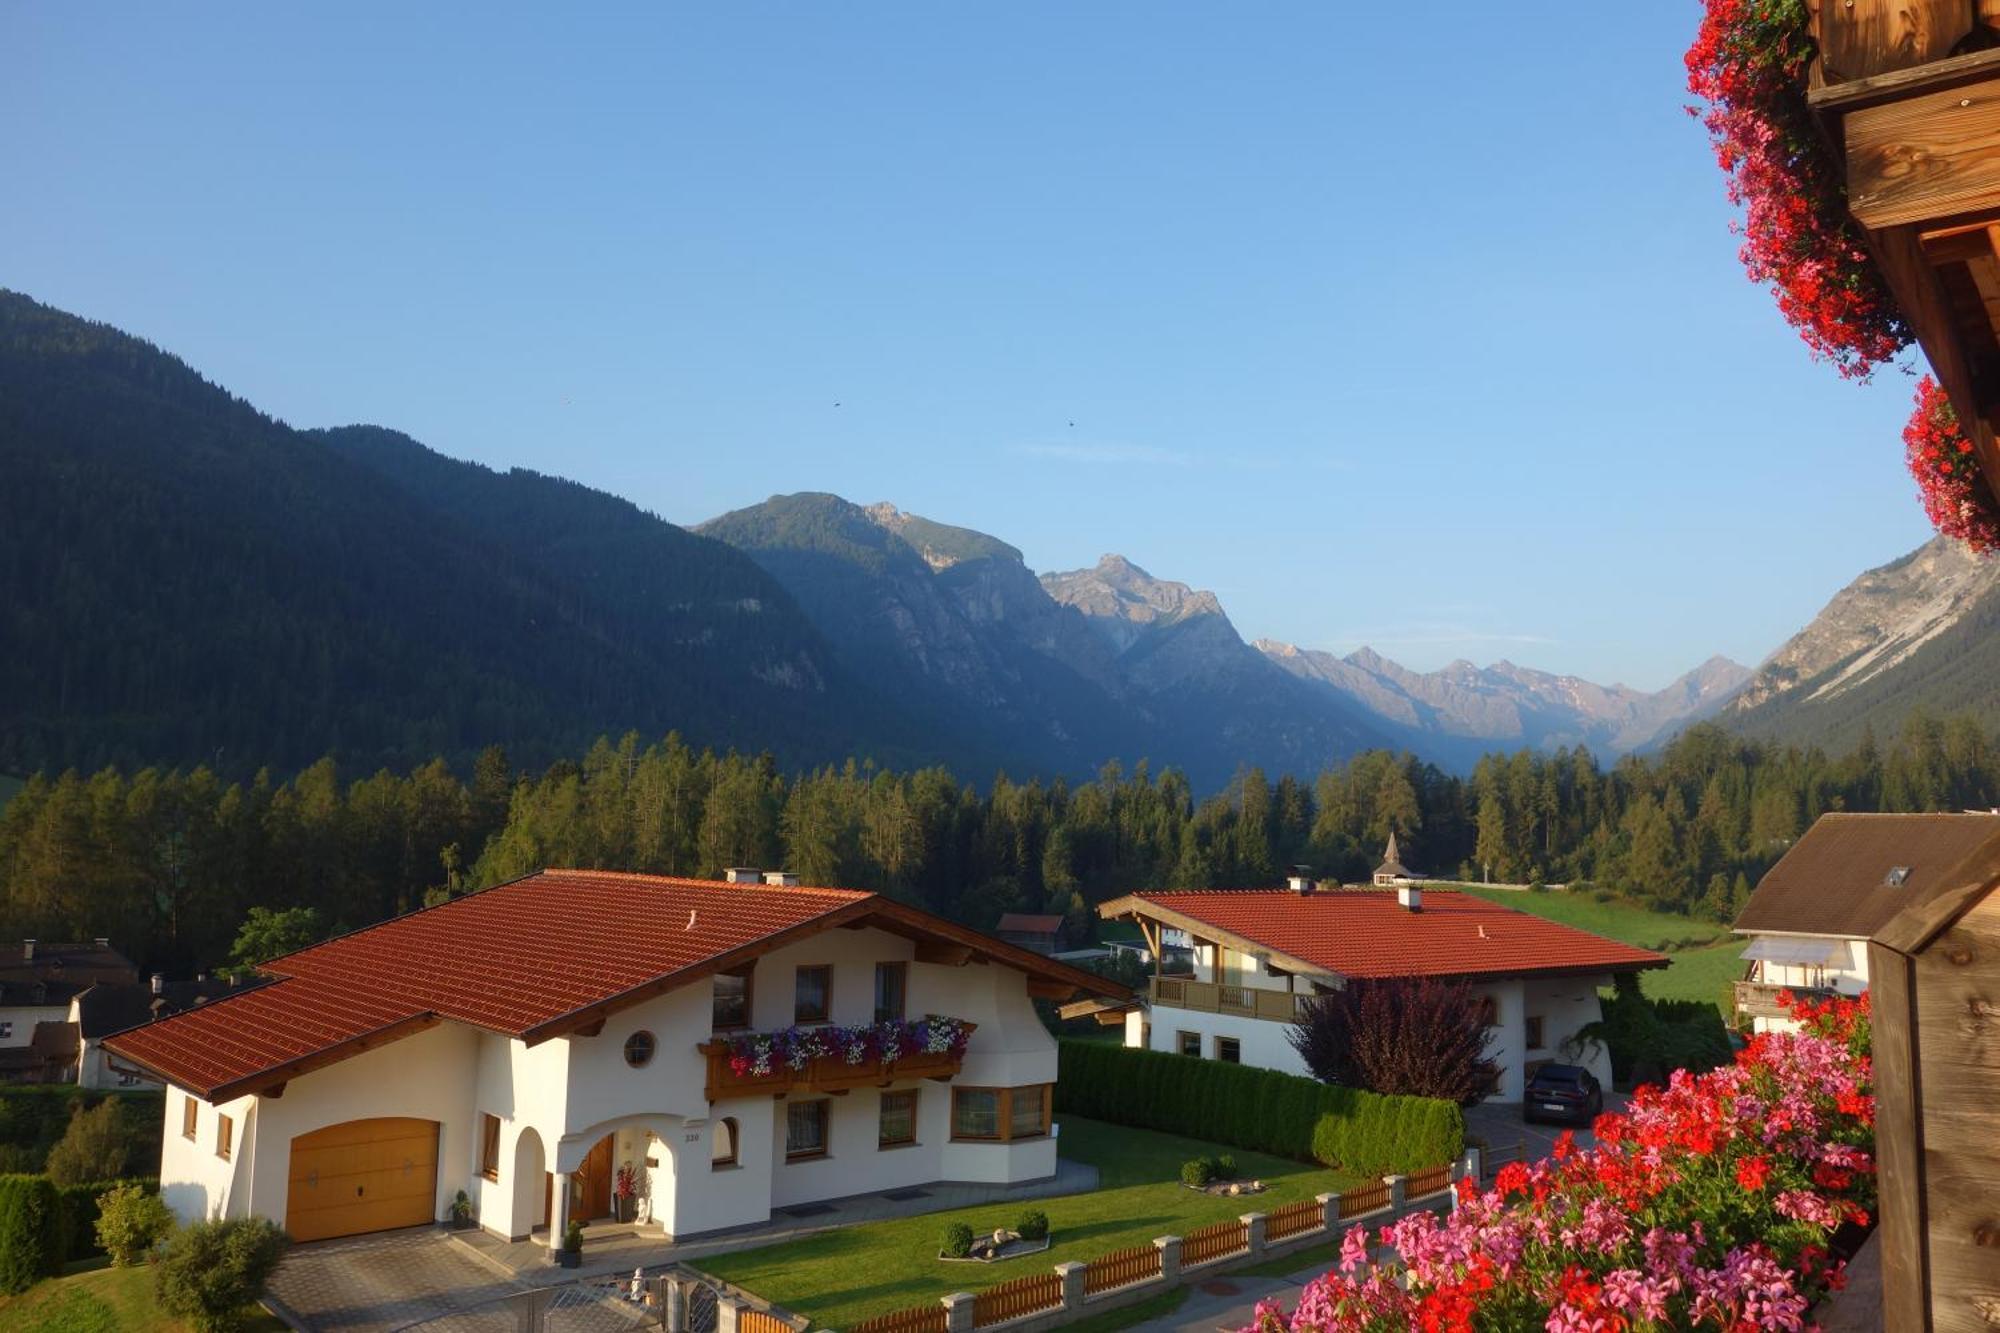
(1563, 1092)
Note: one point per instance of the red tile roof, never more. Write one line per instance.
(1367, 933)
(529, 959)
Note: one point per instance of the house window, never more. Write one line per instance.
(732, 1000)
(1534, 1032)
(805, 1129)
(1027, 1112)
(1229, 1050)
(722, 1148)
(190, 1117)
(6, 1029)
(1000, 1114)
(812, 994)
(891, 982)
(225, 1136)
(1190, 1043)
(899, 1119)
(489, 1146)
(639, 1049)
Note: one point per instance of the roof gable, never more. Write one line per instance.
(1368, 933)
(535, 958)
(1836, 879)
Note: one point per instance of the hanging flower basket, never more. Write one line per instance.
(1955, 495)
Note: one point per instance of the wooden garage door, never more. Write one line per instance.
(364, 1175)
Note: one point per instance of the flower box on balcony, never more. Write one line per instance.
(835, 1059)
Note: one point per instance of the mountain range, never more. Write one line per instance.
(190, 579)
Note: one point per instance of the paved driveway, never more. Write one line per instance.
(1501, 1125)
(374, 1284)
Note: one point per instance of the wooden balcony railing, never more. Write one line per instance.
(1243, 1001)
(826, 1073)
(1759, 999)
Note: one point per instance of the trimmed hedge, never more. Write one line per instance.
(1259, 1109)
(30, 1232)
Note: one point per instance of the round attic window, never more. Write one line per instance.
(638, 1049)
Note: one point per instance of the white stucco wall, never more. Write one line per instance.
(1566, 1005)
(20, 1020)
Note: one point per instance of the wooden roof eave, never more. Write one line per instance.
(1132, 906)
(1911, 929)
(264, 1080)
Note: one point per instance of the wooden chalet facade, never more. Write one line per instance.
(1909, 93)
(1935, 975)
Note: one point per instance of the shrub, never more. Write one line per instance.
(76, 1215)
(35, 1117)
(130, 1222)
(1419, 1037)
(1198, 1172)
(1261, 1110)
(212, 1270)
(957, 1240)
(93, 1148)
(1225, 1167)
(30, 1232)
(573, 1237)
(1034, 1225)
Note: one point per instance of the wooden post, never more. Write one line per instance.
(1899, 1143)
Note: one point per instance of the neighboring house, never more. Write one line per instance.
(1260, 954)
(527, 1042)
(1392, 871)
(1032, 931)
(1812, 914)
(110, 1007)
(37, 983)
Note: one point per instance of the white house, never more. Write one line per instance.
(38, 982)
(531, 1043)
(1259, 954)
(1812, 914)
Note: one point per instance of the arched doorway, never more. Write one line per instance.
(531, 1185)
(590, 1183)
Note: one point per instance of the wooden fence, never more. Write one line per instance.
(1365, 1198)
(1121, 1268)
(761, 1321)
(1205, 1244)
(1022, 1296)
(916, 1319)
(1428, 1181)
(1294, 1219)
(1140, 1265)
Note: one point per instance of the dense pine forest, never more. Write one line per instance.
(169, 863)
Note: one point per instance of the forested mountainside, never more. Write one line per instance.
(191, 580)
(1920, 634)
(168, 863)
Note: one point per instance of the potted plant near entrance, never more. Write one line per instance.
(625, 1192)
(461, 1212)
(571, 1253)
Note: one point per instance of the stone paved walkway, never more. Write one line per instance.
(373, 1284)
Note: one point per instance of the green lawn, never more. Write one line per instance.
(839, 1277)
(106, 1300)
(1704, 954)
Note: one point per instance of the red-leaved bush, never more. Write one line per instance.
(1407, 1036)
(1710, 1203)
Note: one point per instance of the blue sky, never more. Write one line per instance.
(1415, 326)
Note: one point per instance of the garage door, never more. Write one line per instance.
(363, 1175)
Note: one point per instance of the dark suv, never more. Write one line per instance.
(1563, 1092)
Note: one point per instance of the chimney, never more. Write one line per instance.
(27, 951)
(743, 875)
(1411, 896)
(783, 879)
(159, 983)
(1300, 881)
